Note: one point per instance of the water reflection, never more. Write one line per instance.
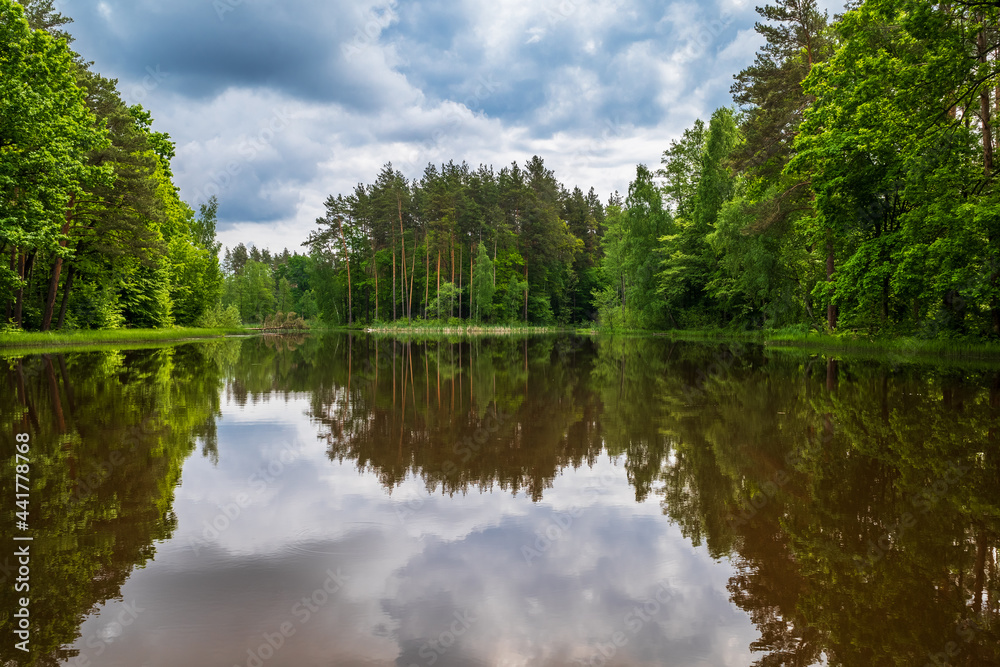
(550, 500)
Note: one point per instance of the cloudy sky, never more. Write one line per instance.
(275, 104)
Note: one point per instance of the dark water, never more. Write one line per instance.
(543, 501)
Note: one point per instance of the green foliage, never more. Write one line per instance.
(482, 285)
(96, 306)
(219, 317)
(251, 291)
(87, 207)
(629, 266)
(854, 189)
(444, 301)
(308, 305)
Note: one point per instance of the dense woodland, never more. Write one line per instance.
(849, 188)
(93, 233)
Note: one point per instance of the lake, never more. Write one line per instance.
(356, 500)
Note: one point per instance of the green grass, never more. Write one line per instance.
(87, 337)
(904, 346)
(461, 327)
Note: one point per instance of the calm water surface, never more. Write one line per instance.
(353, 500)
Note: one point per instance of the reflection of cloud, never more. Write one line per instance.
(111, 631)
(404, 594)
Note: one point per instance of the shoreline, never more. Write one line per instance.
(905, 347)
(90, 337)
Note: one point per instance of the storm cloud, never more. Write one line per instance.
(275, 105)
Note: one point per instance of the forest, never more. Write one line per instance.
(93, 233)
(849, 188)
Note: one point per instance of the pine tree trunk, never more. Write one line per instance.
(460, 281)
(9, 300)
(984, 105)
(413, 268)
(831, 309)
(885, 299)
(26, 264)
(439, 285)
(451, 312)
(347, 259)
(375, 267)
(50, 301)
(427, 272)
(394, 281)
(525, 291)
(65, 299)
(402, 239)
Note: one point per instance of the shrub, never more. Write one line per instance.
(218, 317)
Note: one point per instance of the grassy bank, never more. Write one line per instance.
(458, 327)
(54, 339)
(850, 343)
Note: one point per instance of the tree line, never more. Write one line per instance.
(852, 188)
(93, 233)
(849, 188)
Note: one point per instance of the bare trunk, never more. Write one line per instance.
(9, 300)
(525, 291)
(50, 301)
(439, 285)
(451, 312)
(394, 281)
(427, 272)
(831, 309)
(347, 259)
(984, 106)
(885, 299)
(24, 271)
(460, 281)
(65, 298)
(413, 267)
(402, 239)
(994, 302)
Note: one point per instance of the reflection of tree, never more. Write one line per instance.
(109, 433)
(504, 412)
(800, 471)
(818, 464)
(791, 466)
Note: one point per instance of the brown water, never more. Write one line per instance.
(338, 500)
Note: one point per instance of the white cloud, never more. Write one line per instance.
(599, 87)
